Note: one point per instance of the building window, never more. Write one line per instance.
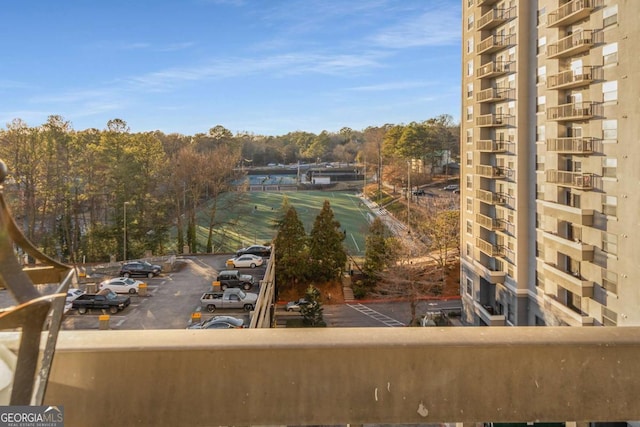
(469, 136)
(610, 16)
(470, 22)
(610, 129)
(610, 54)
(540, 250)
(469, 3)
(609, 205)
(470, 90)
(539, 163)
(609, 167)
(540, 191)
(541, 104)
(469, 250)
(541, 76)
(540, 133)
(469, 287)
(610, 243)
(469, 179)
(469, 204)
(470, 45)
(542, 44)
(470, 68)
(610, 91)
(469, 113)
(469, 163)
(469, 226)
(542, 16)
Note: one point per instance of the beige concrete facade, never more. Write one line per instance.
(550, 161)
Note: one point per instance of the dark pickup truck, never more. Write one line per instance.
(104, 300)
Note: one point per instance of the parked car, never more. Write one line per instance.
(248, 260)
(219, 322)
(296, 305)
(103, 300)
(233, 279)
(259, 250)
(121, 285)
(230, 298)
(139, 268)
(451, 187)
(419, 192)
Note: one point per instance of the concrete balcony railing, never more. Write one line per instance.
(359, 375)
(495, 172)
(491, 197)
(495, 43)
(569, 315)
(489, 316)
(491, 249)
(491, 274)
(495, 69)
(574, 283)
(495, 94)
(574, 215)
(575, 249)
(495, 17)
(485, 2)
(491, 145)
(570, 79)
(575, 111)
(490, 223)
(572, 145)
(579, 180)
(571, 12)
(492, 120)
(578, 42)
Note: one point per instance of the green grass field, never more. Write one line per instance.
(252, 218)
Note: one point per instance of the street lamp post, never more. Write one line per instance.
(124, 237)
(408, 192)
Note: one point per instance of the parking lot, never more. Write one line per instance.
(171, 298)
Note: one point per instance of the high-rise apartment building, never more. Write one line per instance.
(550, 162)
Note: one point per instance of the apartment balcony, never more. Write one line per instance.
(566, 213)
(489, 248)
(489, 316)
(495, 43)
(495, 69)
(485, 2)
(572, 282)
(492, 120)
(567, 314)
(572, 45)
(495, 17)
(571, 145)
(102, 378)
(572, 112)
(573, 248)
(491, 146)
(490, 223)
(579, 180)
(490, 274)
(495, 95)
(570, 13)
(570, 79)
(491, 197)
(495, 172)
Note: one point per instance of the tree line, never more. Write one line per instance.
(72, 190)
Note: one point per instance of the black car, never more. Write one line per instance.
(263, 251)
(139, 268)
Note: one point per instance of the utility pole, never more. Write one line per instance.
(408, 192)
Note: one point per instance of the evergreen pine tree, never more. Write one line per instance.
(326, 252)
(291, 250)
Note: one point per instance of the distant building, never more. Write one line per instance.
(549, 162)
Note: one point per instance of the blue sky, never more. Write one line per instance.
(267, 67)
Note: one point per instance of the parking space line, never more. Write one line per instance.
(386, 320)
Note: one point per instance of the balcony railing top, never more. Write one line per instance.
(572, 145)
(571, 12)
(575, 111)
(581, 180)
(495, 68)
(495, 17)
(495, 43)
(569, 79)
(578, 42)
(351, 380)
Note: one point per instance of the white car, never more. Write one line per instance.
(248, 260)
(121, 285)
